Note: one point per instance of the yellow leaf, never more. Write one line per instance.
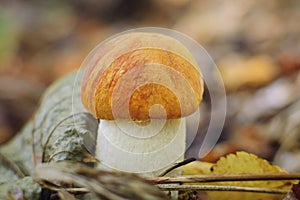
(197, 167)
(241, 163)
(239, 72)
(245, 163)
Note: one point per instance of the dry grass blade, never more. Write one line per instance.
(63, 194)
(223, 178)
(12, 165)
(221, 188)
(102, 184)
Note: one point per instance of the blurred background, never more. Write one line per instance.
(255, 44)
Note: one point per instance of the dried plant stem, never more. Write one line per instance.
(186, 187)
(186, 161)
(169, 183)
(182, 188)
(57, 188)
(221, 188)
(13, 165)
(223, 178)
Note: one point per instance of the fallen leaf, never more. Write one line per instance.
(239, 72)
(197, 167)
(245, 163)
(241, 163)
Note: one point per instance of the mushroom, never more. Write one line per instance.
(141, 85)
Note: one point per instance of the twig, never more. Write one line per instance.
(223, 178)
(176, 165)
(181, 188)
(221, 188)
(57, 188)
(185, 187)
(13, 166)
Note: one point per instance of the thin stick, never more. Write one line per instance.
(224, 178)
(13, 165)
(222, 188)
(185, 187)
(187, 161)
(57, 188)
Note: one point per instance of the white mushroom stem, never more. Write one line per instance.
(146, 149)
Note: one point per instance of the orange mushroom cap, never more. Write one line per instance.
(127, 75)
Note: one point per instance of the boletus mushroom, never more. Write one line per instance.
(141, 85)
